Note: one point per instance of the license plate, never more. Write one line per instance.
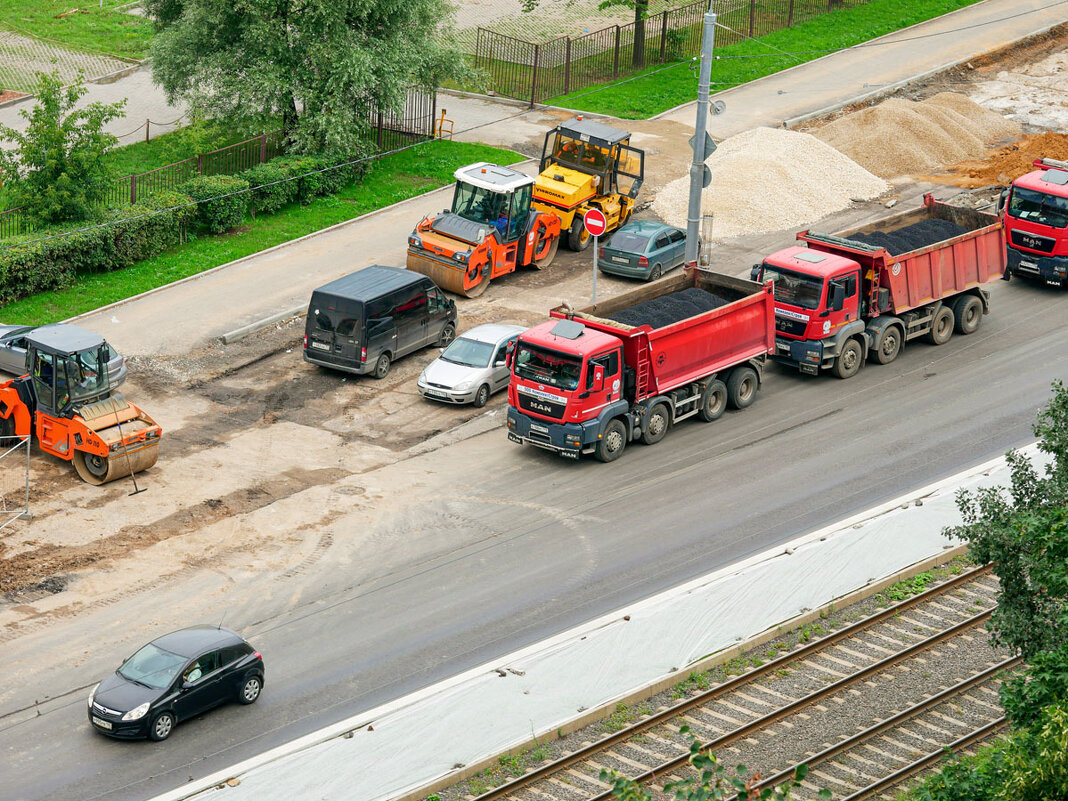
(620, 260)
(101, 723)
(1029, 266)
(540, 429)
(320, 345)
(432, 394)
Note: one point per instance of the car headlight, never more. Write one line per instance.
(422, 378)
(138, 713)
(92, 695)
(463, 386)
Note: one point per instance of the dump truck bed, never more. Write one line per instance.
(932, 271)
(672, 336)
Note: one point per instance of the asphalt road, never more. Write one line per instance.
(547, 543)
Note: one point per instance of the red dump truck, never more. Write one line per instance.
(865, 292)
(1035, 211)
(592, 380)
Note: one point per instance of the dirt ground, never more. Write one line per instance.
(259, 447)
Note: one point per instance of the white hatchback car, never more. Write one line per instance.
(472, 368)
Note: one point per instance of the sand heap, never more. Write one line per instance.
(903, 137)
(768, 179)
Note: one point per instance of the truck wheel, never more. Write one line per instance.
(848, 362)
(578, 238)
(611, 444)
(657, 423)
(941, 326)
(713, 401)
(382, 366)
(889, 346)
(742, 387)
(968, 312)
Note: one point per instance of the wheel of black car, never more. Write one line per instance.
(848, 362)
(656, 273)
(482, 396)
(968, 313)
(162, 726)
(941, 326)
(713, 401)
(448, 334)
(889, 346)
(613, 441)
(657, 423)
(250, 690)
(382, 366)
(578, 238)
(742, 387)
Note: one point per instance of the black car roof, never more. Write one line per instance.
(197, 639)
(63, 338)
(372, 282)
(595, 130)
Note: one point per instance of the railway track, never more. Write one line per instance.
(863, 707)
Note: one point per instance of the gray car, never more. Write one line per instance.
(472, 368)
(13, 353)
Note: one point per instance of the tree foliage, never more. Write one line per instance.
(56, 170)
(325, 67)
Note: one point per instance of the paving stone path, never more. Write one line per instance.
(21, 58)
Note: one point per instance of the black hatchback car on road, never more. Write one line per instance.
(173, 678)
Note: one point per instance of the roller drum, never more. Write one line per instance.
(464, 280)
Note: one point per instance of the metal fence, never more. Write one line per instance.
(414, 122)
(535, 72)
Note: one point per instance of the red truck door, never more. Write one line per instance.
(604, 381)
(843, 302)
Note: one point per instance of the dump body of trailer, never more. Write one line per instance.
(866, 291)
(593, 379)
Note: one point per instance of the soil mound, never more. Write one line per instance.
(1010, 162)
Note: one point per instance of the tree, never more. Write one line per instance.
(56, 171)
(641, 8)
(323, 66)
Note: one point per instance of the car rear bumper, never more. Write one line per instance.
(358, 369)
(625, 270)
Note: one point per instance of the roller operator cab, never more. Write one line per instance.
(489, 231)
(68, 403)
(585, 165)
(1035, 211)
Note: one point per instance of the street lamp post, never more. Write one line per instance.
(700, 176)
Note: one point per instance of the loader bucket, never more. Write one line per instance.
(131, 435)
(465, 280)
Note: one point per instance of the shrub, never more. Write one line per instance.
(316, 176)
(271, 190)
(221, 203)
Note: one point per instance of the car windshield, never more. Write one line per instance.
(468, 352)
(152, 666)
(628, 242)
(1038, 207)
(794, 288)
(546, 366)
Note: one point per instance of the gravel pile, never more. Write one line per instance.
(668, 309)
(769, 179)
(912, 237)
(902, 137)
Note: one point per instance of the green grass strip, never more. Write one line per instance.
(657, 89)
(94, 27)
(391, 179)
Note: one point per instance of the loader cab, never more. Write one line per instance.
(597, 150)
(68, 368)
(495, 197)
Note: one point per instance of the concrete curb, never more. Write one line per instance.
(245, 330)
(16, 100)
(111, 77)
(257, 254)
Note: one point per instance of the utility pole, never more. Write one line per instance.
(700, 176)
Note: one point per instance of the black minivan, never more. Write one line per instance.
(363, 322)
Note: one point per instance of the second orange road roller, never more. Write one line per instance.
(67, 402)
(490, 231)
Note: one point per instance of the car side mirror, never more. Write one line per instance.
(501, 362)
(187, 685)
(1002, 199)
(754, 274)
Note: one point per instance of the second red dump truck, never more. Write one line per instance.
(592, 380)
(1036, 222)
(865, 292)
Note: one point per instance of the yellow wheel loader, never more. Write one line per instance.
(584, 165)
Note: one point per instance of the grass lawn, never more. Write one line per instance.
(391, 179)
(176, 145)
(659, 89)
(96, 29)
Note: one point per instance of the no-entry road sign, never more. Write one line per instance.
(595, 222)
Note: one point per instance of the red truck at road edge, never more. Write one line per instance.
(592, 380)
(1036, 222)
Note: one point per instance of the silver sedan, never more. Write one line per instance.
(472, 368)
(13, 354)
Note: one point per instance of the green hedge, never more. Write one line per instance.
(270, 189)
(33, 263)
(222, 201)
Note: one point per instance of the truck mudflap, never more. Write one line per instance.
(1051, 269)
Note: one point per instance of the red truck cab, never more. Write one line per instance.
(1035, 212)
(565, 377)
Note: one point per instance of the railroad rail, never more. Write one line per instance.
(811, 695)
